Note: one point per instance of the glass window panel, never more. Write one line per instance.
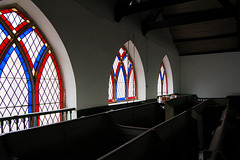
(34, 45)
(14, 19)
(159, 86)
(49, 118)
(164, 86)
(121, 68)
(15, 86)
(115, 64)
(110, 95)
(162, 81)
(4, 38)
(131, 87)
(49, 92)
(14, 89)
(122, 51)
(121, 85)
(126, 64)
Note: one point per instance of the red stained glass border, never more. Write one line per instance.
(9, 24)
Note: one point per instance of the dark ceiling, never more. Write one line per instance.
(197, 26)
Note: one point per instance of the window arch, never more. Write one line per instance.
(30, 79)
(122, 80)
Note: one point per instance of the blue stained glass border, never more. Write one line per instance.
(129, 70)
(39, 56)
(26, 32)
(4, 30)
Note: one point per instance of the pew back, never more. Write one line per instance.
(94, 136)
(174, 139)
(145, 115)
(178, 105)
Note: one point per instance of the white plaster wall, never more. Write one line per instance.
(213, 75)
(92, 39)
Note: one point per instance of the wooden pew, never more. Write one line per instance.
(136, 132)
(208, 114)
(225, 143)
(143, 116)
(173, 139)
(176, 106)
(101, 109)
(85, 138)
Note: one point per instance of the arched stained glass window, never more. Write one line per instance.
(30, 79)
(162, 88)
(122, 80)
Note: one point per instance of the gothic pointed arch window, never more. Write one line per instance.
(165, 80)
(30, 77)
(162, 81)
(122, 80)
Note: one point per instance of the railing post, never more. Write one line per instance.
(70, 114)
(24, 123)
(17, 124)
(62, 115)
(1, 124)
(66, 115)
(9, 124)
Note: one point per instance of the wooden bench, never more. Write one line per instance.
(173, 139)
(144, 115)
(208, 114)
(178, 105)
(85, 138)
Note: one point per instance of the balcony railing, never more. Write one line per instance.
(20, 122)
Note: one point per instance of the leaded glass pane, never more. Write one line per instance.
(3, 34)
(4, 38)
(115, 65)
(122, 52)
(126, 64)
(159, 86)
(122, 67)
(162, 81)
(14, 88)
(164, 85)
(162, 70)
(49, 118)
(131, 86)
(14, 19)
(121, 85)
(14, 83)
(49, 93)
(33, 45)
(110, 88)
(16, 96)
